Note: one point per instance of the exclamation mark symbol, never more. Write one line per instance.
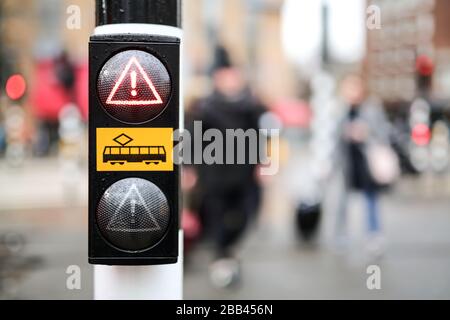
(133, 83)
(133, 211)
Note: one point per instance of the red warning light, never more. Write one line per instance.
(134, 86)
(421, 135)
(15, 87)
(424, 65)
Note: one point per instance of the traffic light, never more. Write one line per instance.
(134, 86)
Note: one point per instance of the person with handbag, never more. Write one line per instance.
(369, 164)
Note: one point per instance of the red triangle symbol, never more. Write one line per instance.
(127, 90)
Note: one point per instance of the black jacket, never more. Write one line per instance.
(221, 113)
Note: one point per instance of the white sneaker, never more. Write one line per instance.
(375, 245)
(224, 272)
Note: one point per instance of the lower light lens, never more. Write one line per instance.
(133, 214)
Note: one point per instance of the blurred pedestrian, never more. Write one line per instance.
(51, 91)
(230, 193)
(364, 125)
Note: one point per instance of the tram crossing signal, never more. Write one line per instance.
(133, 182)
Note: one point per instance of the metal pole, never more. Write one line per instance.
(164, 282)
(325, 34)
(161, 12)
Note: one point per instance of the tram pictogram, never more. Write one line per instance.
(124, 153)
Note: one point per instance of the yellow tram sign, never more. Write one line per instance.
(134, 149)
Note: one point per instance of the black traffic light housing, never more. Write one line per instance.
(133, 181)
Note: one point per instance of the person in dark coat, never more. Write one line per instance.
(230, 193)
(363, 125)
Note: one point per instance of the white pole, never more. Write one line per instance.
(164, 282)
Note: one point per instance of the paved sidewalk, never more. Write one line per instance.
(42, 183)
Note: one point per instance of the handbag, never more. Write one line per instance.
(384, 164)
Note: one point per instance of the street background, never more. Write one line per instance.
(294, 55)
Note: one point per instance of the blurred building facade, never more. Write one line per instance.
(409, 29)
(250, 30)
(38, 29)
(34, 34)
